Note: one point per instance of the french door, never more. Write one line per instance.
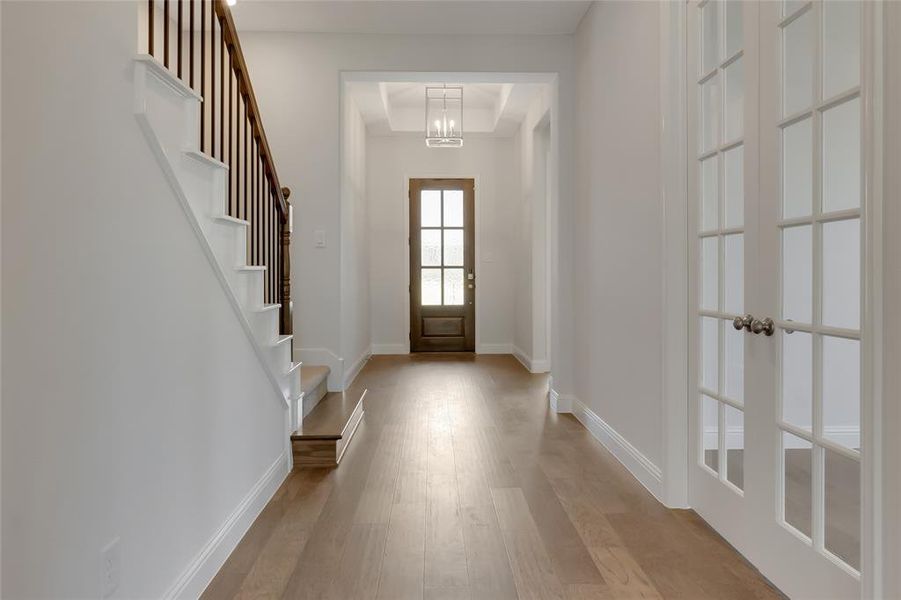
(775, 132)
(442, 258)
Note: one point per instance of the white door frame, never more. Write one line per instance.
(879, 503)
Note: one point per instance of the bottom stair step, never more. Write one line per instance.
(328, 429)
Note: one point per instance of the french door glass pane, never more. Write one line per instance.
(735, 446)
(710, 114)
(453, 208)
(797, 274)
(734, 358)
(797, 482)
(430, 244)
(709, 36)
(734, 182)
(841, 46)
(735, 98)
(841, 274)
(797, 64)
(734, 274)
(430, 208)
(710, 429)
(797, 379)
(453, 287)
(453, 247)
(431, 287)
(797, 169)
(709, 353)
(733, 28)
(709, 273)
(841, 156)
(709, 195)
(841, 391)
(842, 507)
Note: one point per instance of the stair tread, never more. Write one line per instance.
(330, 417)
(281, 340)
(312, 375)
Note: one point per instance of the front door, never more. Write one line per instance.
(442, 260)
(776, 134)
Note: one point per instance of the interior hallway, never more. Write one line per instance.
(461, 484)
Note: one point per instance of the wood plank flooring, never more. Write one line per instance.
(461, 484)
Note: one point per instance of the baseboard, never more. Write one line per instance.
(390, 349)
(494, 348)
(559, 403)
(641, 467)
(324, 356)
(540, 365)
(200, 572)
(355, 368)
(532, 365)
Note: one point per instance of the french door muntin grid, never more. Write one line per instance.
(717, 76)
(817, 330)
(442, 228)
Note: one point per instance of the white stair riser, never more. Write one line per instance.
(252, 284)
(266, 326)
(281, 355)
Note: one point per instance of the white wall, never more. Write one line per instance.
(618, 222)
(297, 82)
(355, 334)
(537, 171)
(393, 160)
(133, 403)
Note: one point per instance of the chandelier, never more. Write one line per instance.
(444, 117)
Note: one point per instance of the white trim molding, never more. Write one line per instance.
(641, 467)
(559, 403)
(355, 368)
(674, 248)
(201, 570)
(533, 365)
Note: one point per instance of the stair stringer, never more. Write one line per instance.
(168, 113)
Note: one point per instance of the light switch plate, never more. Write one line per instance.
(319, 238)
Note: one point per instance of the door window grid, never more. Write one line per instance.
(791, 436)
(719, 434)
(442, 285)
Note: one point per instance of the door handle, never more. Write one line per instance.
(744, 322)
(767, 326)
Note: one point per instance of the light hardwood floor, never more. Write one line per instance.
(461, 484)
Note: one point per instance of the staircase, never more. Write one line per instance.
(226, 181)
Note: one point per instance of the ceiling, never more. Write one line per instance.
(398, 107)
(489, 17)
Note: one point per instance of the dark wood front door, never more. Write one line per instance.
(442, 263)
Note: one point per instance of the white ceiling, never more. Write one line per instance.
(490, 17)
(398, 107)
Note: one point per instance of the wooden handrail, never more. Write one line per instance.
(231, 131)
(230, 33)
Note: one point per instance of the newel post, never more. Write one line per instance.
(285, 298)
